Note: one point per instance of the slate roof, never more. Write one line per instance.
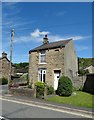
(52, 45)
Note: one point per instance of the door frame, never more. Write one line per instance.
(58, 74)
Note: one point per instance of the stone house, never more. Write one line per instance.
(51, 60)
(90, 69)
(4, 66)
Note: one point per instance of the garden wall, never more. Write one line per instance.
(22, 91)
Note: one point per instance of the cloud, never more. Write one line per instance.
(22, 39)
(0, 52)
(75, 38)
(80, 37)
(81, 47)
(9, 5)
(37, 36)
(61, 13)
(38, 33)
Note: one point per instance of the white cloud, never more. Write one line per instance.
(61, 13)
(81, 47)
(75, 38)
(22, 39)
(36, 36)
(0, 52)
(79, 37)
(38, 33)
(9, 5)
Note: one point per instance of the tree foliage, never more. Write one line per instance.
(22, 67)
(85, 62)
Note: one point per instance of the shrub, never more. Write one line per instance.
(64, 86)
(39, 89)
(50, 90)
(3, 81)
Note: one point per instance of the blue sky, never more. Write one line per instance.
(60, 21)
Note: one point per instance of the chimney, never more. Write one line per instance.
(4, 55)
(45, 40)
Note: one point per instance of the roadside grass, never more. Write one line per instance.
(80, 99)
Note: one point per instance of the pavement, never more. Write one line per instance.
(81, 111)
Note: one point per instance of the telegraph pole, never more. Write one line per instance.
(10, 66)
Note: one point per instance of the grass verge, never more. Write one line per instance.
(80, 99)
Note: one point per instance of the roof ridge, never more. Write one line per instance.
(51, 45)
(61, 41)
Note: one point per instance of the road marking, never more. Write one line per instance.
(48, 108)
(55, 106)
(1, 117)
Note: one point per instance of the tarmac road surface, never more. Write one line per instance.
(18, 109)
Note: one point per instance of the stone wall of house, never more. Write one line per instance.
(4, 68)
(70, 60)
(54, 61)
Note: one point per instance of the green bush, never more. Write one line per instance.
(64, 86)
(50, 90)
(39, 89)
(3, 81)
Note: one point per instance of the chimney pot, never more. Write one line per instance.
(4, 55)
(45, 40)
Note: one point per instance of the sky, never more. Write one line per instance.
(32, 20)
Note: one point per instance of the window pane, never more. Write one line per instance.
(43, 77)
(42, 52)
(43, 58)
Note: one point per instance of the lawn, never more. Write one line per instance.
(80, 99)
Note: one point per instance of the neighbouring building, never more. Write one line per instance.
(4, 66)
(51, 60)
(90, 69)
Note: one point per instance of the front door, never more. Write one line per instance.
(56, 78)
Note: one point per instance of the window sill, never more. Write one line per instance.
(42, 63)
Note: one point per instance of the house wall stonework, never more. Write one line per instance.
(70, 61)
(54, 61)
(61, 59)
(4, 68)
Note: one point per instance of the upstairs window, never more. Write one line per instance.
(42, 56)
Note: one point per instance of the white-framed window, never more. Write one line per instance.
(42, 75)
(42, 56)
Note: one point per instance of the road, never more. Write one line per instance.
(12, 108)
(18, 109)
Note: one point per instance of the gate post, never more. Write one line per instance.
(45, 93)
(35, 92)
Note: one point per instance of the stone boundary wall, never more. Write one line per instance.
(22, 91)
(79, 81)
